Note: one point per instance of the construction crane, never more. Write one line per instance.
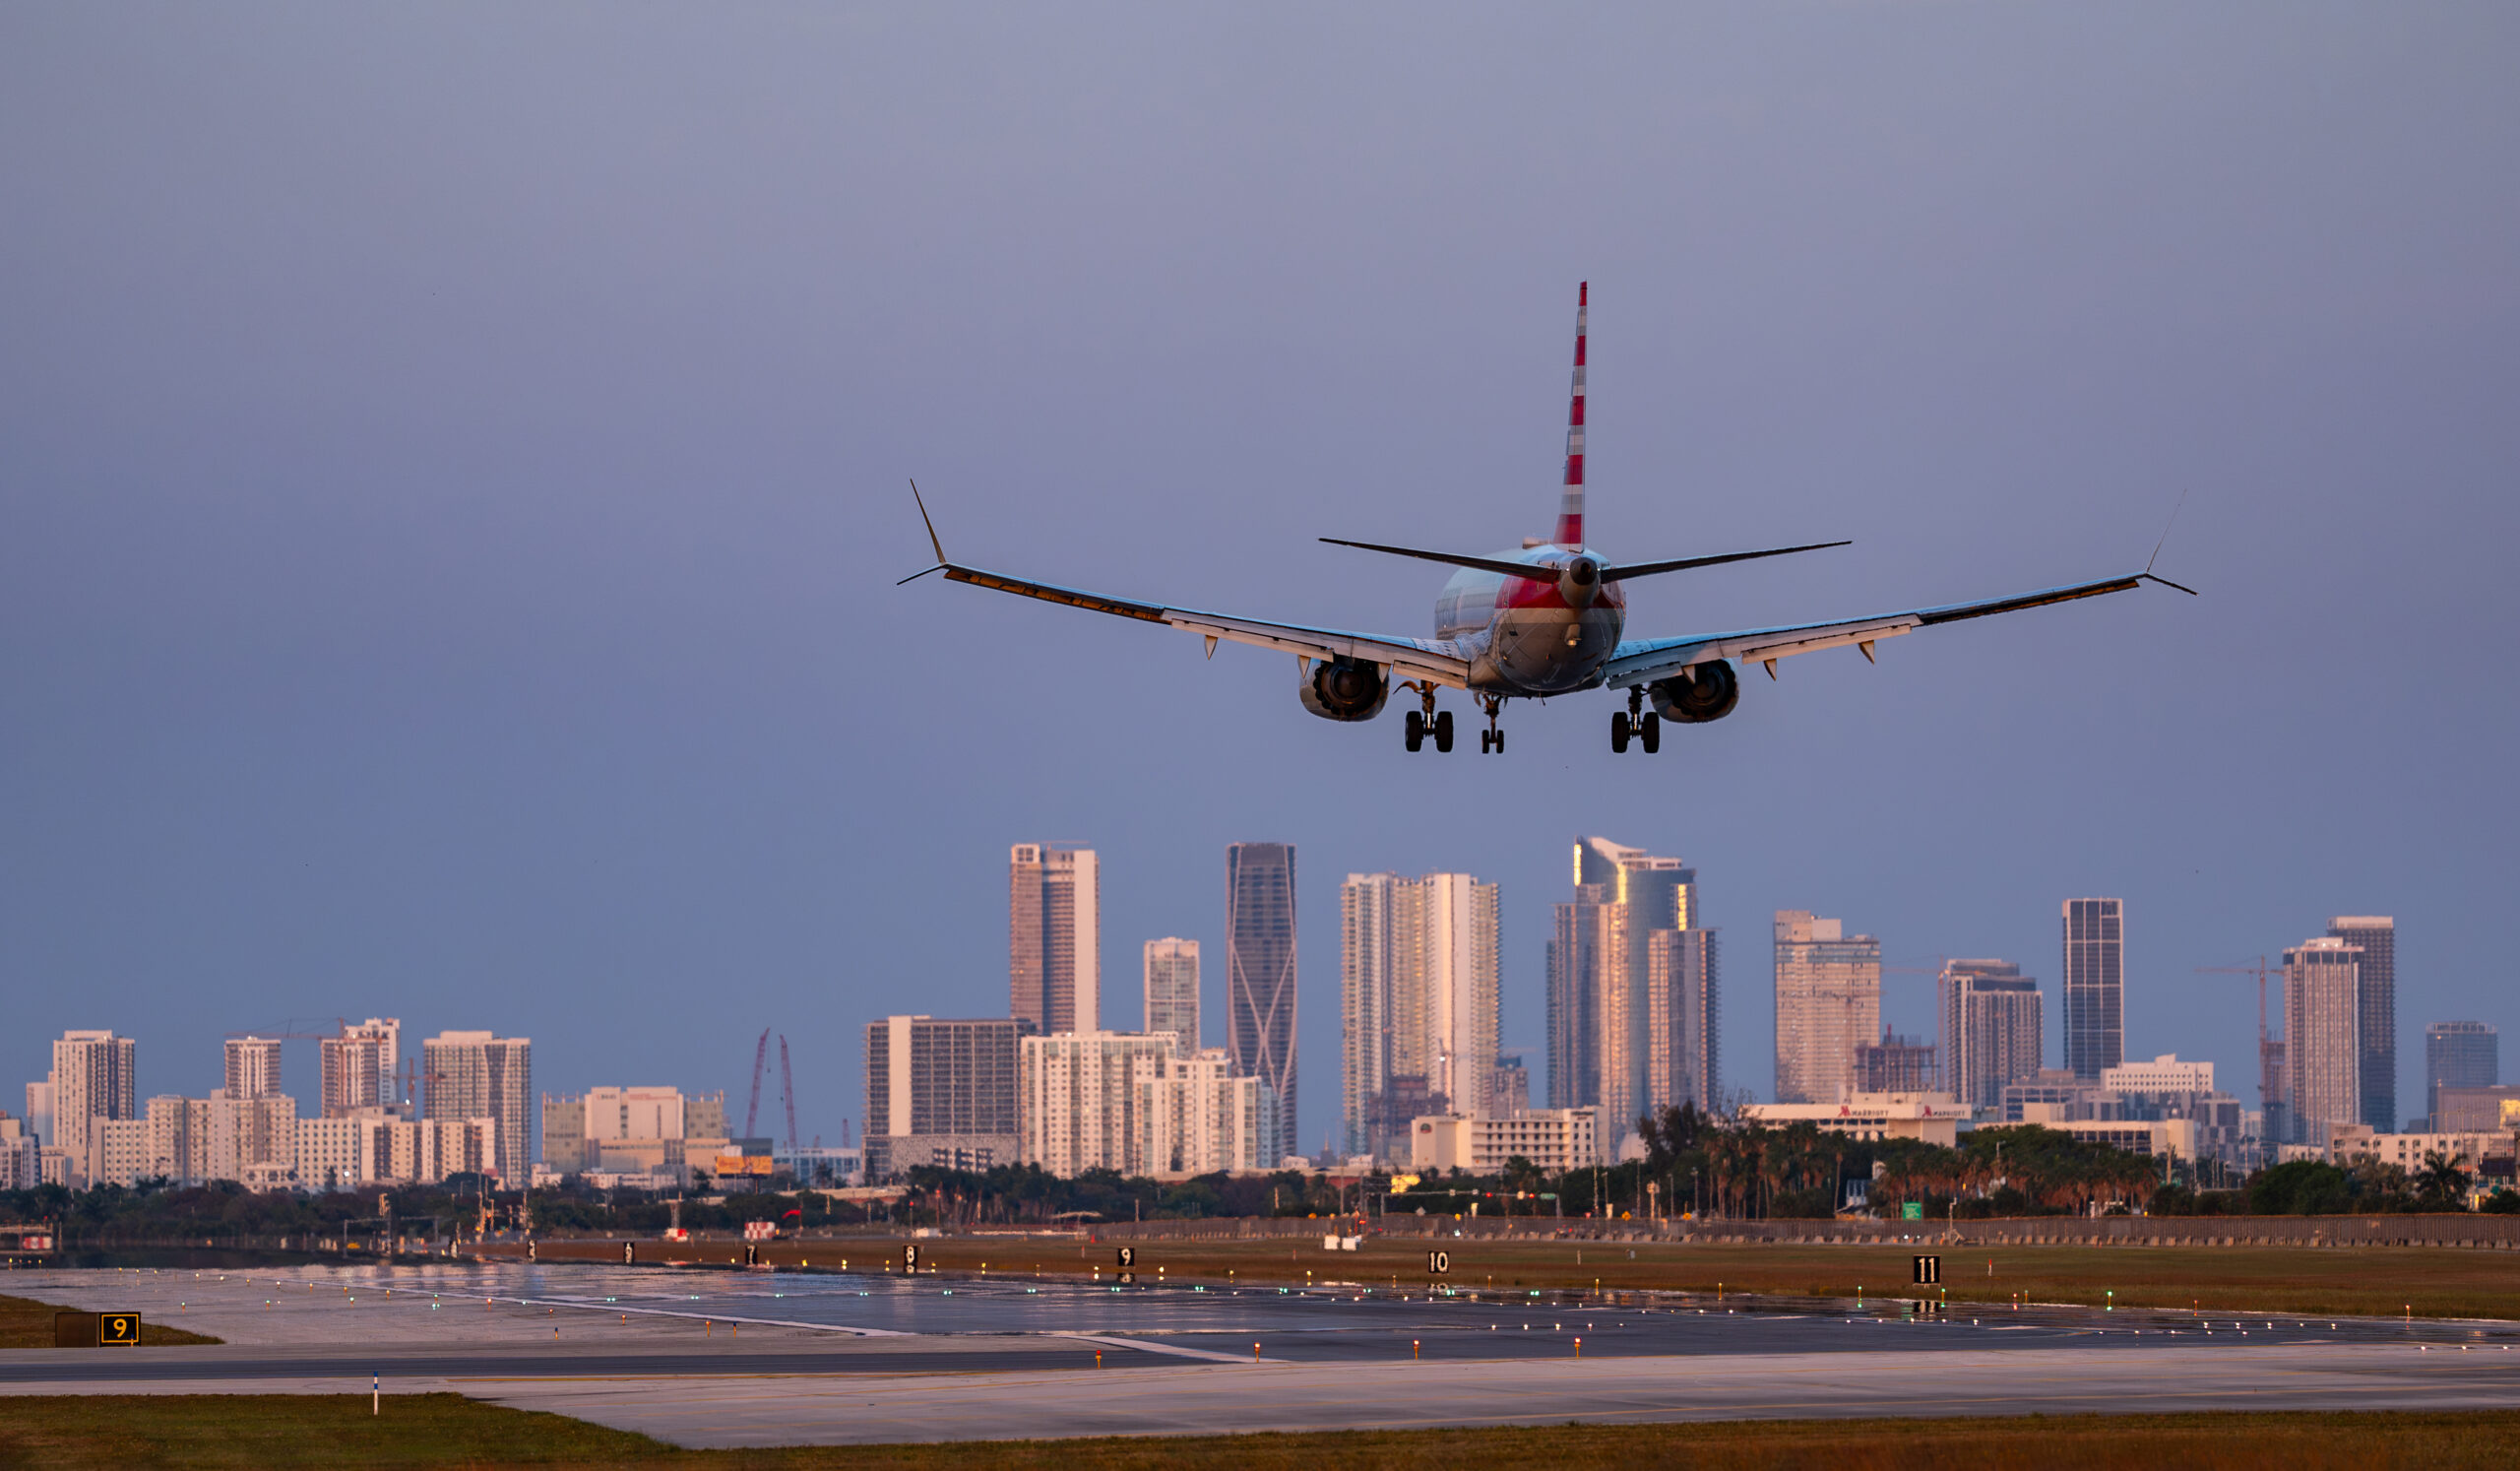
(2271, 1090)
(787, 1092)
(760, 1056)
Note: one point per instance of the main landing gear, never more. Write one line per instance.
(1428, 721)
(1491, 739)
(1636, 723)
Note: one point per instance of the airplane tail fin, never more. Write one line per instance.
(1570, 501)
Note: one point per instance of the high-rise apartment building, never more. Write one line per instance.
(942, 1092)
(1172, 992)
(1991, 1029)
(1054, 923)
(1828, 1002)
(1260, 972)
(2458, 1054)
(358, 1065)
(2376, 935)
(1080, 1098)
(1633, 988)
(1417, 1003)
(1194, 1117)
(476, 1075)
(2323, 1036)
(252, 1066)
(2094, 985)
(252, 1140)
(94, 1078)
(1369, 951)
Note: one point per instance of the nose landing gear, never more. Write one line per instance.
(1491, 739)
(1428, 721)
(1636, 723)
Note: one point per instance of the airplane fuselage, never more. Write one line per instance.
(1546, 634)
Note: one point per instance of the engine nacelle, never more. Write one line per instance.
(1687, 701)
(1345, 689)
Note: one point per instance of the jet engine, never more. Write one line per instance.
(1698, 694)
(1345, 689)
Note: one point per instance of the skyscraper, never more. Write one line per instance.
(1682, 995)
(2458, 1054)
(1054, 913)
(1080, 1099)
(94, 1081)
(1632, 988)
(252, 1066)
(1417, 1003)
(1260, 972)
(358, 1065)
(1369, 952)
(1172, 992)
(2323, 1036)
(1991, 1029)
(476, 1075)
(2377, 937)
(2094, 985)
(1828, 1002)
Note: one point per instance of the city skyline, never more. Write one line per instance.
(380, 1032)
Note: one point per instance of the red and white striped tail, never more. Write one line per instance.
(1571, 502)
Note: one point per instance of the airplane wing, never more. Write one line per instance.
(1642, 660)
(1435, 661)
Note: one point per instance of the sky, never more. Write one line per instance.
(454, 472)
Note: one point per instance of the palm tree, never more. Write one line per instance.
(2441, 1185)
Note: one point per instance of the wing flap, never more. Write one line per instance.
(1643, 661)
(1434, 661)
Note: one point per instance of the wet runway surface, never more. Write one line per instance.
(733, 1358)
(431, 1319)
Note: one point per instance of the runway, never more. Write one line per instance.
(757, 1360)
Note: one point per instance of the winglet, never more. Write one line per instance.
(938, 545)
(933, 527)
(2157, 550)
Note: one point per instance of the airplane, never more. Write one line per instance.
(1545, 619)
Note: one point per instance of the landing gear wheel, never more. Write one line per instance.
(1444, 730)
(1415, 731)
(1618, 732)
(1492, 740)
(1651, 733)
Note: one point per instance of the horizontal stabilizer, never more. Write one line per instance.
(1484, 564)
(1682, 564)
(1541, 573)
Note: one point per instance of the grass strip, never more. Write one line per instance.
(447, 1429)
(2335, 1280)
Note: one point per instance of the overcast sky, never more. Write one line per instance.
(453, 476)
